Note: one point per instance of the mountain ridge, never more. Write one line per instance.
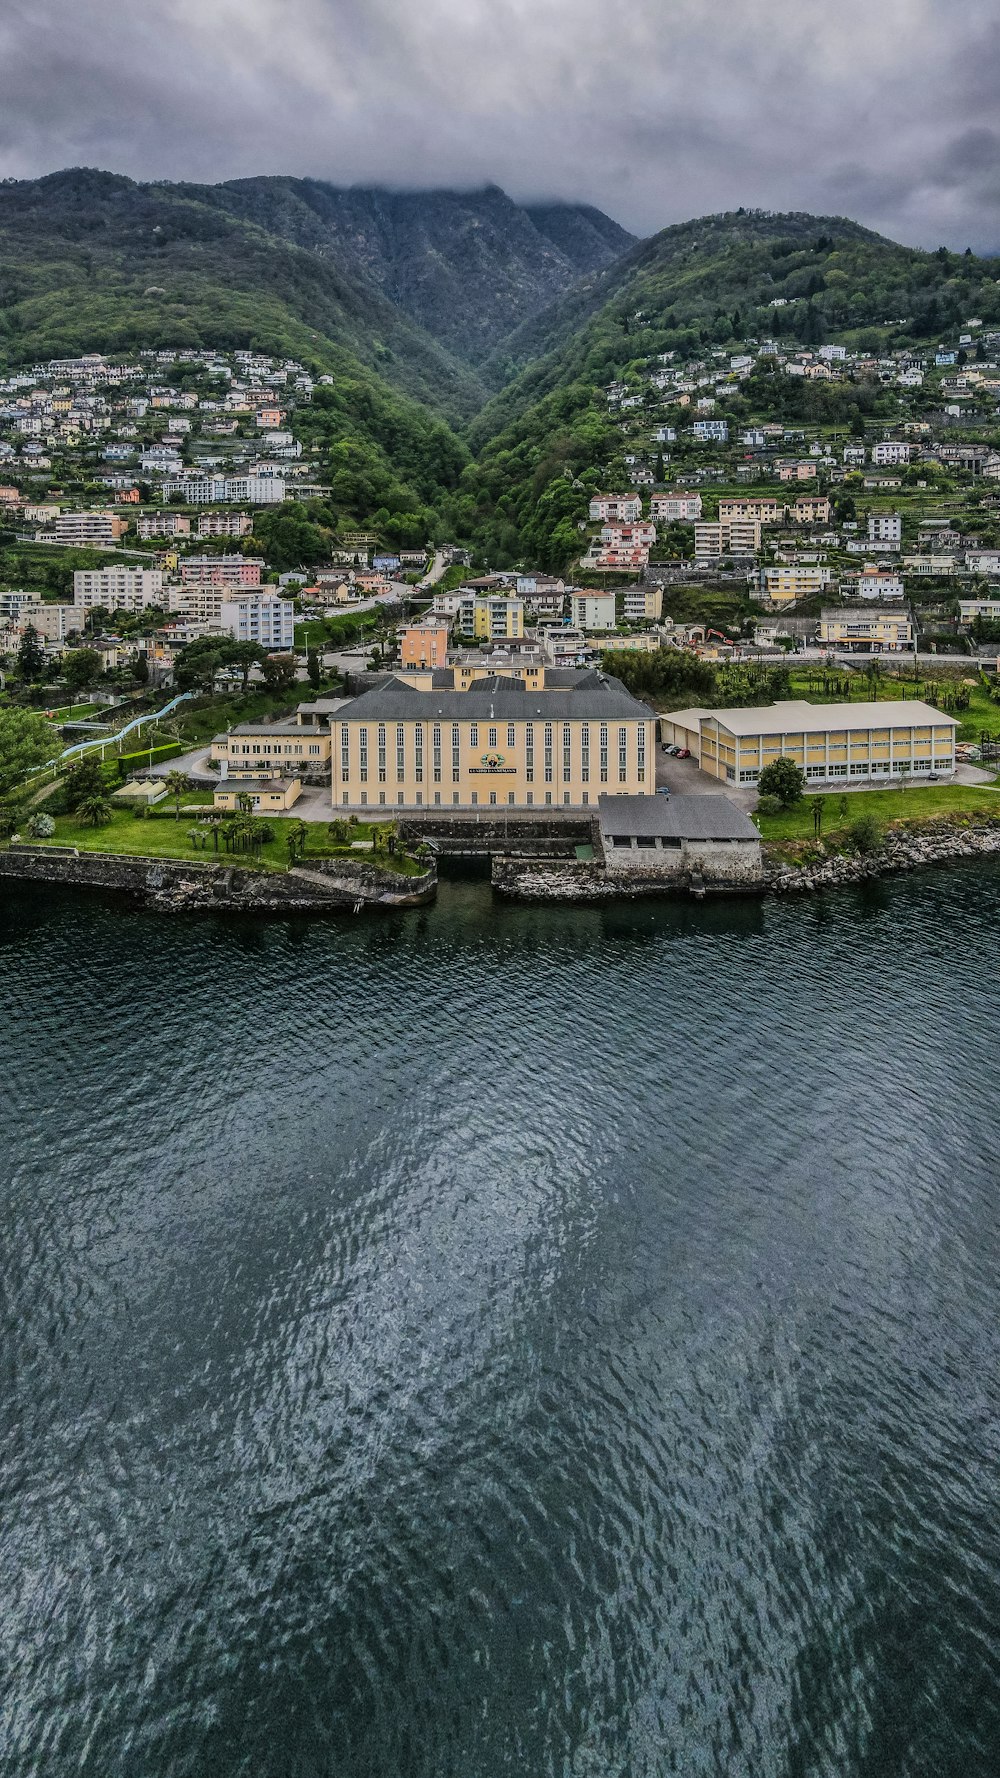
(467, 266)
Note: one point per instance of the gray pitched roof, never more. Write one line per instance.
(599, 699)
(676, 817)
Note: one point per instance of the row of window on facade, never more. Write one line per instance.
(492, 734)
(292, 748)
(492, 801)
(860, 769)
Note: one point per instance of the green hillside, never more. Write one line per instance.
(91, 261)
(715, 281)
(708, 284)
(366, 285)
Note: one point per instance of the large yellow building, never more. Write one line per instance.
(871, 741)
(496, 744)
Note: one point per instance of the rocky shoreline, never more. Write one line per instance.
(901, 851)
(183, 886)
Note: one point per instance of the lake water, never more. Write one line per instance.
(562, 1343)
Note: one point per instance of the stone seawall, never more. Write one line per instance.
(179, 885)
(900, 852)
(525, 879)
(531, 879)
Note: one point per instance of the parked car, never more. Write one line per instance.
(684, 753)
(663, 790)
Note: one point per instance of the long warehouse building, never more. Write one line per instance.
(829, 741)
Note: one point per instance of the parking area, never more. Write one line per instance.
(683, 777)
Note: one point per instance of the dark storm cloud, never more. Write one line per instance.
(657, 111)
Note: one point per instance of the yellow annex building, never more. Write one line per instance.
(829, 741)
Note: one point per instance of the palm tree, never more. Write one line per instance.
(95, 809)
(177, 783)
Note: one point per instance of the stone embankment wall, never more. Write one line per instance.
(526, 879)
(534, 879)
(176, 885)
(900, 852)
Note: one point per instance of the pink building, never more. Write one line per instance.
(640, 536)
(221, 570)
(627, 508)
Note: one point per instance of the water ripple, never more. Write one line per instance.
(537, 1341)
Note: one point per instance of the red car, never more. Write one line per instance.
(685, 753)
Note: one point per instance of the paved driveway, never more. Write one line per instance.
(683, 777)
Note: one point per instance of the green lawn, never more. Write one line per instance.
(160, 835)
(76, 712)
(915, 803)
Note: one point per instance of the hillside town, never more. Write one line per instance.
(165, 511)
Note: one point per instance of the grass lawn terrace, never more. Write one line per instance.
(159, 834)
(917, 802)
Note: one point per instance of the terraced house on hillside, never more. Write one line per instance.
(496, 744)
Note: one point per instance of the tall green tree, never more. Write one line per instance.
(26, 741)
(784, 780)
(80, 668)
(177, 784)
(30, 659)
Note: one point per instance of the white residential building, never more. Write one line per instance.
(675, 509)
(207, 490)
(625, 507)
(259, 618)
(873, 583)
(885, 528)
(889, 452)
(117, 589)
(592, 611)
(983, 561)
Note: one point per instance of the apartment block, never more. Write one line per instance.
(642, 603)
(117, 589)
(885, 528)
(490, 618)
(626, 508)
(784, 585)
(592, 611)
(675, 509)
(233, 571)
(870, 631)
(266, 620)
(425, 644)
(88, 529)
(753, 511)
(736, 537)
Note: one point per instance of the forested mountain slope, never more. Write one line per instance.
(469, 267)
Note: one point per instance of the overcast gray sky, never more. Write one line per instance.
(657, 110)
